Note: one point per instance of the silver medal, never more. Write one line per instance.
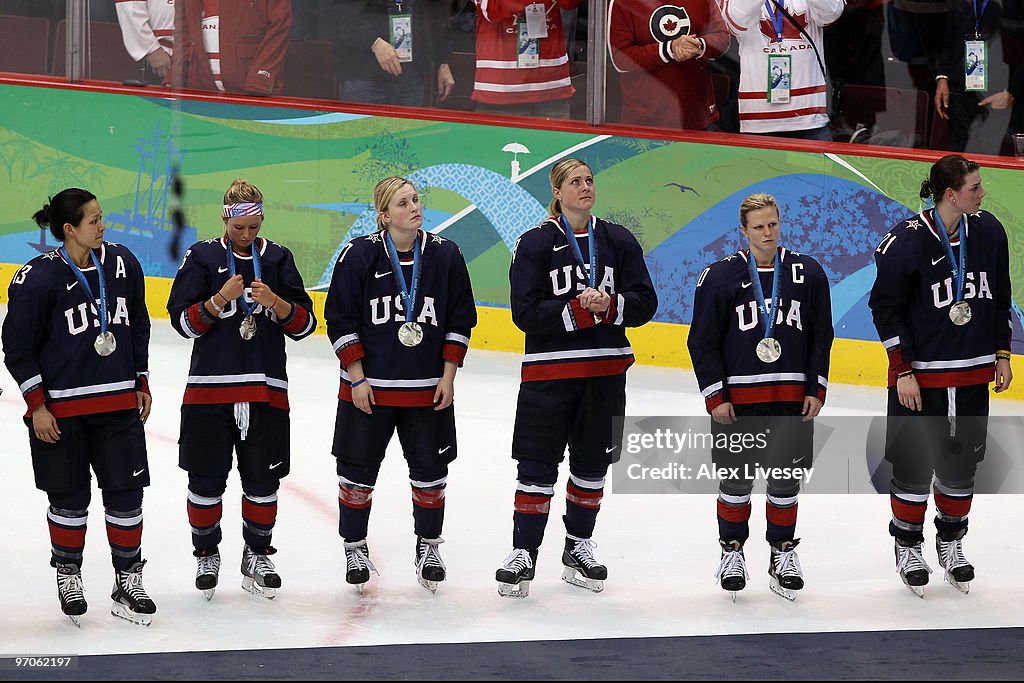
(960, 313)
(105, 343)
(410, 334)
(769, 350)
(248, 328)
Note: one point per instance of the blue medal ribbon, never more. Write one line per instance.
(256, 270)
(574, 246)
(957, 270)
(977, 16)
(778, 20)
(767, 316)
(408, 297)
(80, 276)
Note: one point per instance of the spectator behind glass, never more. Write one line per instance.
(955, 99)
(521, 63)
(915, 36)
(388, 49)
(766, 37)
(147, 27)
(853, 43)
(662, 53)
(1012, 32)
(231, 45)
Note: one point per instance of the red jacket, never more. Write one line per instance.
(253, 41)
(656, 89)
(498, 79)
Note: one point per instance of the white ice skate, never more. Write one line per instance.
(732, 570)
(357, 564)
(259, 576)
(207, 571)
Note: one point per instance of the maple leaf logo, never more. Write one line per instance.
(789, 32)
(670, 25)
(668, 22)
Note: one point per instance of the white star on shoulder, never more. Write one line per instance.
(730, 257)
(374, 237)
(914, 224)
(211, 240)
(977, 215)
(50, 255)
(436, 239)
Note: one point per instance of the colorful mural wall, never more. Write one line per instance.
(483, 186)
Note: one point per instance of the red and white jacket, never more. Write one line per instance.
(146, 25)
(499, 80)
(749, 21)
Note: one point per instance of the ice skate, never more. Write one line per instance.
(258, 574)
(787, 577)
(959, 572)
(357, 563)
(131, 602)
(912, 568)
(732, 570)
(581, 569)
(207, 570)
(430, 569)
(516, 573)
(71, 592)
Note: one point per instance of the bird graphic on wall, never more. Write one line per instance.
(683, 188)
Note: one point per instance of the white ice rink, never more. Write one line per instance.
(661, 550)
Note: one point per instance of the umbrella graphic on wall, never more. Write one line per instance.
(516, 150)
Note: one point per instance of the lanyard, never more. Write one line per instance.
(958, 271)
(256, 270)
(80, 276)
(777, 17)
(408, 298)
(978, 15)
(767, 317)
(574, 245)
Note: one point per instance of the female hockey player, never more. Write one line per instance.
(941, 304)
(762, 367)
(399, 313)
(76, 339)
(576, 283)
(237, 297)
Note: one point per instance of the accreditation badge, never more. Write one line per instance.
(528, 48)
(536, 21)
(401, 36)
(975, 65)
(780, 71)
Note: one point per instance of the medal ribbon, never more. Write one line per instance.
(408, 297)
(80, 276)
(574, 246)
(958, 272)
(778, 19)
(767, 317)
(256, 270)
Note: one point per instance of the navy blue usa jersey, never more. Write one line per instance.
(226, 368)
(563, 339)
(51, 326)
(726, 329)
(365, 310)
(914, 290)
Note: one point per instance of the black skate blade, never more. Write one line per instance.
(574, 578)
(786, 593)
(516, 591)
(249, 585)
(122, 611)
